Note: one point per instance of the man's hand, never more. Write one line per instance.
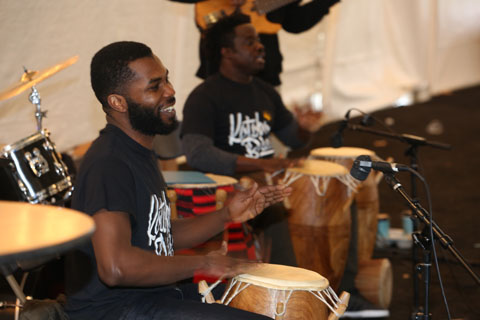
(309, 119)
(247, 204)
(221, 266)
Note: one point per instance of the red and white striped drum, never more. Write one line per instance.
(193, 199)
(319, 219)
(366, 195)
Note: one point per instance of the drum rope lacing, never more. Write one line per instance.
(331, 299)
(331, 295)
(351, 183)
(238, 289)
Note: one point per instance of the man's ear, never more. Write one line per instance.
(226, 52)
(117, 102)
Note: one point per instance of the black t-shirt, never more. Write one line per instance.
(117, 174)
(237, 117)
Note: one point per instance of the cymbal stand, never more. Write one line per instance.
(39, 114)
(35, 99)
(425, 241)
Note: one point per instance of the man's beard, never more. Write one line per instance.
(144, 120)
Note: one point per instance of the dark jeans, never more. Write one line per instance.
(182, 302)
(351, 267)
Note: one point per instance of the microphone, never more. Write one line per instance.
(364, 164)
(336, 140)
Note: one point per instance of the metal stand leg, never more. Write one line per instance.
(16, 288)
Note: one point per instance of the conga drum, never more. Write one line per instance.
(284, 292)
(366, 196)
(319, 216)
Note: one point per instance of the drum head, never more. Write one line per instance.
(282, 277)
(219, 181)
(343, 152)
(320, 168)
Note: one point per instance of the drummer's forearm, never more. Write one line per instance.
(202, 155)
(192, 231)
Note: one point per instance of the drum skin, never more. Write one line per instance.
(366, 198)
(302, 305)
(320, 227)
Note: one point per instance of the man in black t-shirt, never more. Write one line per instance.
(129, 270)
(229, 118)
(227, 121)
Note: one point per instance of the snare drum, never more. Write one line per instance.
(38, 169)
(366, 197)
(284, 292)
(319, 219)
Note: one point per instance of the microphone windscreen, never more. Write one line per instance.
(360, 172)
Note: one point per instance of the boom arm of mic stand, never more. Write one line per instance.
(423, 216)
(411, 139)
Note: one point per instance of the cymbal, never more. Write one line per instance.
(31, 78)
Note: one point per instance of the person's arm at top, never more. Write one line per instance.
(296, 18)
(204, 156)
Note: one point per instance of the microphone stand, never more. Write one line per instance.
(424, 240)
(411, 152)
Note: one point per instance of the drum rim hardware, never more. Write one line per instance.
(39, 166)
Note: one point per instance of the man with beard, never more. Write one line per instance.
(129, 270)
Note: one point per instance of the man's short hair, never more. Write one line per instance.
(109, 70)
(220, 35)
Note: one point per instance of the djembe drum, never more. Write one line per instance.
(366, 197)
(284, 292)
(374, 278)
(319, 219)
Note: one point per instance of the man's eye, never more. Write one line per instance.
(154, 88)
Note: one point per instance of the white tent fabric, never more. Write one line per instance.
(365, 54)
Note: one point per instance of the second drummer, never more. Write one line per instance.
(229, 118)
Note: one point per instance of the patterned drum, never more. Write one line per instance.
(195, 199)
(38, 169)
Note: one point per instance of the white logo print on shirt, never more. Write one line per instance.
(159, 228)
(250, 133)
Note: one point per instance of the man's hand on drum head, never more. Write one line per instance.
(247, 204)
(220, 266)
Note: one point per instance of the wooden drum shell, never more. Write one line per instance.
(302, 305)
(366, 198)
(320, 227)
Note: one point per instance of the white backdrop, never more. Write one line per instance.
(365, 54)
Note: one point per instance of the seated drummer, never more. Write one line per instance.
(229, 118)
(129, 270)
